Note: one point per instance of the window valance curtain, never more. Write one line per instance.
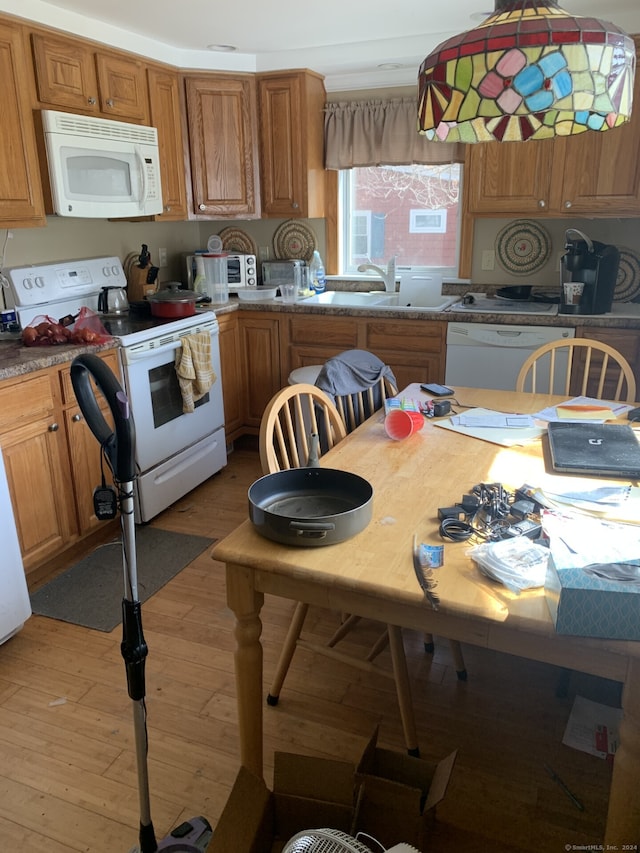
(381, 133)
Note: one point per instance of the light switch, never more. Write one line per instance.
(488, 259)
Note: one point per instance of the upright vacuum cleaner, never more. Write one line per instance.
(118, 448)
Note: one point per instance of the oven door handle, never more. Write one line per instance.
(132, 354)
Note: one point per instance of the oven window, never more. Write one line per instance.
(166, 398)
(233, 270)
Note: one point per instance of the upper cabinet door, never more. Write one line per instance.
(509, 177)
(123, 87)
(21, 202)
(65, 73)
(291, 106)
(71, 74)
(601, 172)
(166, 116)
(222, 119)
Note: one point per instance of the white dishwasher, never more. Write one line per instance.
(489, 355)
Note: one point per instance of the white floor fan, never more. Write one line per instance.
(335, 841)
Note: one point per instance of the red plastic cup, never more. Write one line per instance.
(400, 423)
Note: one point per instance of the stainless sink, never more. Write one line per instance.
(379, 299)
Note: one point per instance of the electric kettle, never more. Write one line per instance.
(113, 300)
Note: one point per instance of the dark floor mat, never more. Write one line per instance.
(90, 593)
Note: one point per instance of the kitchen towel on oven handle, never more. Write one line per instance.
(194, 368)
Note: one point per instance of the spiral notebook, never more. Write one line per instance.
(597, 450)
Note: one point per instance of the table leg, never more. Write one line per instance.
(246, 603)
(623, 818)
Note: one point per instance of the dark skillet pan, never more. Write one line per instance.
(310, 506)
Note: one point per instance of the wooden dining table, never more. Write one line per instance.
(372, 574)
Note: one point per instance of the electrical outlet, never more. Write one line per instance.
(162, 257)
(263, 253)
(488, 259)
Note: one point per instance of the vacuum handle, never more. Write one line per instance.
(119, 445)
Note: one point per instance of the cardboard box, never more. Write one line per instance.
(585, 604)
(390, 796)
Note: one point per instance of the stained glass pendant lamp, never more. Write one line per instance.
(530, 71)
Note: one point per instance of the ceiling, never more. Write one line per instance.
(346, 40)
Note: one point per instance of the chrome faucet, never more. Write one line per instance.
(388, 277)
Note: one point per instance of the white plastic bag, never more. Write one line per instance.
(517, 563)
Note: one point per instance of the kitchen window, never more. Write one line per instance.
(394, 188)
(411, 211)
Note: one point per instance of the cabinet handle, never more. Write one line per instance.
(202, 207)
(542, 203)
(92, 101)
(167, 208)
(568, 204)
(295, 205)
(109, 102)
(53, 427)
(76, 418)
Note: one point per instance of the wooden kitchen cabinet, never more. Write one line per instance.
(166, 116)
(231, 363)
(592, 174)
(260, 342)
(32, 438)
(292, 173)
(222, 126)
(21, 202)
(413, 349)
(74, 74)
(52, 461)
(84, 449)
(309, 339)
(509, 179)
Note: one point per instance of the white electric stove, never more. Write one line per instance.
(175, 450)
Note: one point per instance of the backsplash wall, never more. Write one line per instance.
(66, 239)
(623, 233)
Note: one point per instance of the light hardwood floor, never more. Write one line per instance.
(67, 763)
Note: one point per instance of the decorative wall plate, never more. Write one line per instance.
(294, 240)
(628, 281)
(237, 240)
(523, 246)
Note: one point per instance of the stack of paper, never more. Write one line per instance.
(496, 427)
(581, 409)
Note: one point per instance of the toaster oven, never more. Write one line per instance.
(275, 273)
(242, 271)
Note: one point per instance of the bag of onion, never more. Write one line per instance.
(44, 331)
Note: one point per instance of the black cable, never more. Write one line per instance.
(456, 530)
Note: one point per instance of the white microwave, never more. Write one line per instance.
(100, 168)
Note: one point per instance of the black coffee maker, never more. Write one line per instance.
(593, 264)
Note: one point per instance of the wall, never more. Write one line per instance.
(65, 238)
(623, 233)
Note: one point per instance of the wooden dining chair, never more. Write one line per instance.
(587, 367)
(291, 416)
(344, 377)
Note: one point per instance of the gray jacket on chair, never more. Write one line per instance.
(353, 371)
